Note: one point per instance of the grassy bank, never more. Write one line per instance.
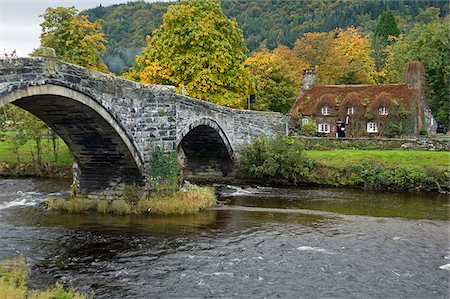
(14, 279)
(6, 156)
(10, 165)
(188, 200)
(283, 161)
(388, 158)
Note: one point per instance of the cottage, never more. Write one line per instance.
(390, 110)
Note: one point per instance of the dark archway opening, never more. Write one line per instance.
(205, 153)
(102, 156)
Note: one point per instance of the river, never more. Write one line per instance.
(259, 243)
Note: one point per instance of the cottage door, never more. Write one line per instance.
(340, 130)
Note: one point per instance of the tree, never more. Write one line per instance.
(385, 30)
(295, 65)
(430, 44)
(74, 38)
(339, 56)
(274, 86)
(199, 47)
(387, 26)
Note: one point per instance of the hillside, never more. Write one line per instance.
(268, 22)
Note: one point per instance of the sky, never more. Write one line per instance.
(19, 21)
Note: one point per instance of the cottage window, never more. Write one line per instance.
(305, 121)
(326, 110)
(350, 111)
(383, 111)
(372, 127)
(323, 128)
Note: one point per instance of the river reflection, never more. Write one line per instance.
(264, 243)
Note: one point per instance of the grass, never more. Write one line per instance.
(188, 200)
(6, 156)
(389, 158)
(14, 279)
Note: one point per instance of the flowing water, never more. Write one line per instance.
(259, 243)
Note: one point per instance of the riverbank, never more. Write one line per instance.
(14, 281)
(370, 169)
(283, 161)
(21, 164)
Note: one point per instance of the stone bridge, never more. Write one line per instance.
(112, 125)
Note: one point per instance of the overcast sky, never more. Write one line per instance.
(19, 21)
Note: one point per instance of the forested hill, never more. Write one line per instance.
(268, 22)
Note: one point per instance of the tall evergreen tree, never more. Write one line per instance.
(387, 26)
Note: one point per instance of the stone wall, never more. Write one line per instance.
(321, 143)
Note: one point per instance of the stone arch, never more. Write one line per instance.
(102, 149)
(205, 147)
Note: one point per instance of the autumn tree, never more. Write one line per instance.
(197, 46)
(430, 44)
(273, 83)
(294, 64)
(339, 56)
(74, 38)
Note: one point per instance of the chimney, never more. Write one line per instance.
(308, 79)
(414, 74)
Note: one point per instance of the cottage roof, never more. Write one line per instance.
(309, 101)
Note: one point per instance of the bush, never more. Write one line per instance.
(310, 128)
(120, 207)
(14, 279)
(72, 205)
(164, 168)
(282, 157)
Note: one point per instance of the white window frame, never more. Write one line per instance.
(383, 110)
(323, 128)
(350, 110)
(305, 121)
(372, 127)
(325, 110)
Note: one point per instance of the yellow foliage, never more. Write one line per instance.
(339, 56)
(74, 38)
(199, 47)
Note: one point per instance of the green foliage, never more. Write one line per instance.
(164, 168)
(14, 280)
(309, 128)
(430, 44)
(29, 140)
(199, 47)
(387, 26)
(133, 192)
(275, 87)
(74, 38)
(281, 158)
(270, 23)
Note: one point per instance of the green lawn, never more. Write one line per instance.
(391, 158)
(64, 156)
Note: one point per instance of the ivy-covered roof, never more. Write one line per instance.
(310, 101)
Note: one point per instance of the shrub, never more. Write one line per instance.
(282, 157)
(14, 279)
(73, 205)
(132, 193)
(310, 128)
(164, 167)
(120, 207)
(102, 206)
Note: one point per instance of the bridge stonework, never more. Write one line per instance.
(112, 125)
